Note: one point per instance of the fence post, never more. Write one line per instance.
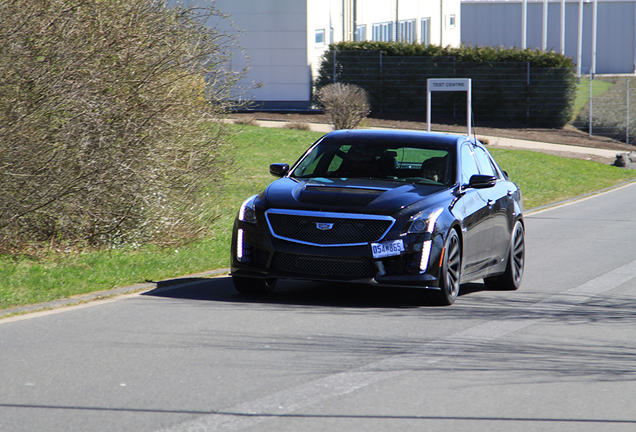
(591, 85)
(627, 111)
(335, 58)
(381, 82)
(528, 93)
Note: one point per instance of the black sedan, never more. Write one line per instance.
(388, 208)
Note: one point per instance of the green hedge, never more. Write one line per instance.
(509, 85)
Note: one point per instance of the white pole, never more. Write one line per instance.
(544, 39)
(441, 23)
(524, 24)
(428, 106)
(562, 27)
(594, 14)
(579, 46)
(469, 105)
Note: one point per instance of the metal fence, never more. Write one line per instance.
(611, 109)
(502, 92)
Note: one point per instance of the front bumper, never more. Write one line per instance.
(255, 253)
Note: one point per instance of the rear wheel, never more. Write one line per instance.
(510, 280)
(246, 285)
(451, 271)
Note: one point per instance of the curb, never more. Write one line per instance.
(105, 294)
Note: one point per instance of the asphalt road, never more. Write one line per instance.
(557, 355)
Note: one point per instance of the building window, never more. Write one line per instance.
(382, 32)
(426, 31)
(361, 33)
(452, 20)
(320, 37)
(406, 31)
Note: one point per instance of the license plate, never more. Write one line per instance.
(387, 248)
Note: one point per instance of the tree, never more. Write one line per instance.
(106, 119)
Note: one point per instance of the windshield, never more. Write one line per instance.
(421, 164)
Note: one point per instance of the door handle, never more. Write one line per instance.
(491, 202)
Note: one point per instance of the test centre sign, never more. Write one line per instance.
(449, 84)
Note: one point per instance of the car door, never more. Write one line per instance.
(499, 199)
(477, 218)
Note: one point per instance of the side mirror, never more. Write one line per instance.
(278, 169)
(481, 181)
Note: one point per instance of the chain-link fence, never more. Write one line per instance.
(611, 109)
(503, 92)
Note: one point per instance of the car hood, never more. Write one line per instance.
(350, 195)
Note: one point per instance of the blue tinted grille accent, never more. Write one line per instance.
(338, 229)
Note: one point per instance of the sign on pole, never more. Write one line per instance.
(449, 84)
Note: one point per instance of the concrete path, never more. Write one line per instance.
(492, 141)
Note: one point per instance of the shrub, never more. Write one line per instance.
(105, 110)
(247, 121)
(297, 126)
(346, 105)
(509, 85)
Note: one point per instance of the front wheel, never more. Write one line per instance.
(450, 277)
(510, 280)
(247, 285)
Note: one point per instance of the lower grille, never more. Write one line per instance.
(257, 257)
(403, 264)
(324, 265)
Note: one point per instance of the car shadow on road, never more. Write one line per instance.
(332, 294)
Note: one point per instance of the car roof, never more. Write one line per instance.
(396, 135)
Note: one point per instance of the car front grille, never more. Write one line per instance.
(325, 266)
(328, 229)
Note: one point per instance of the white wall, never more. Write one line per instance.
(498, 23)
(280, 37)
(439, 11)
(275, 39)
(322, 15)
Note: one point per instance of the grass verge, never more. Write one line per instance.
(543, 178)
(599, 86)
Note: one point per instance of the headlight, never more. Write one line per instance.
(424, 221)
(247, 213)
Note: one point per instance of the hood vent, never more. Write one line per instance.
(347, 190)
(340, 195)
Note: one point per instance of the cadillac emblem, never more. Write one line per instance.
(324, 226)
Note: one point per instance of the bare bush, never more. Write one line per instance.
(297, 126)
(346, 105)
(105, 109)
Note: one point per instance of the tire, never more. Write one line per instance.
(254, 286)
(450, 277)
(510, 279)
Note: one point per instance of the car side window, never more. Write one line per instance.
(484, 162)
(469, 165)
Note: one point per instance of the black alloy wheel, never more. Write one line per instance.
(450, 278)
(510, 280)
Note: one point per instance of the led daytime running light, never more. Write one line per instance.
(239, 245)
(426, 253)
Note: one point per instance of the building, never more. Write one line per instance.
(609, 50)
(284, 40)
